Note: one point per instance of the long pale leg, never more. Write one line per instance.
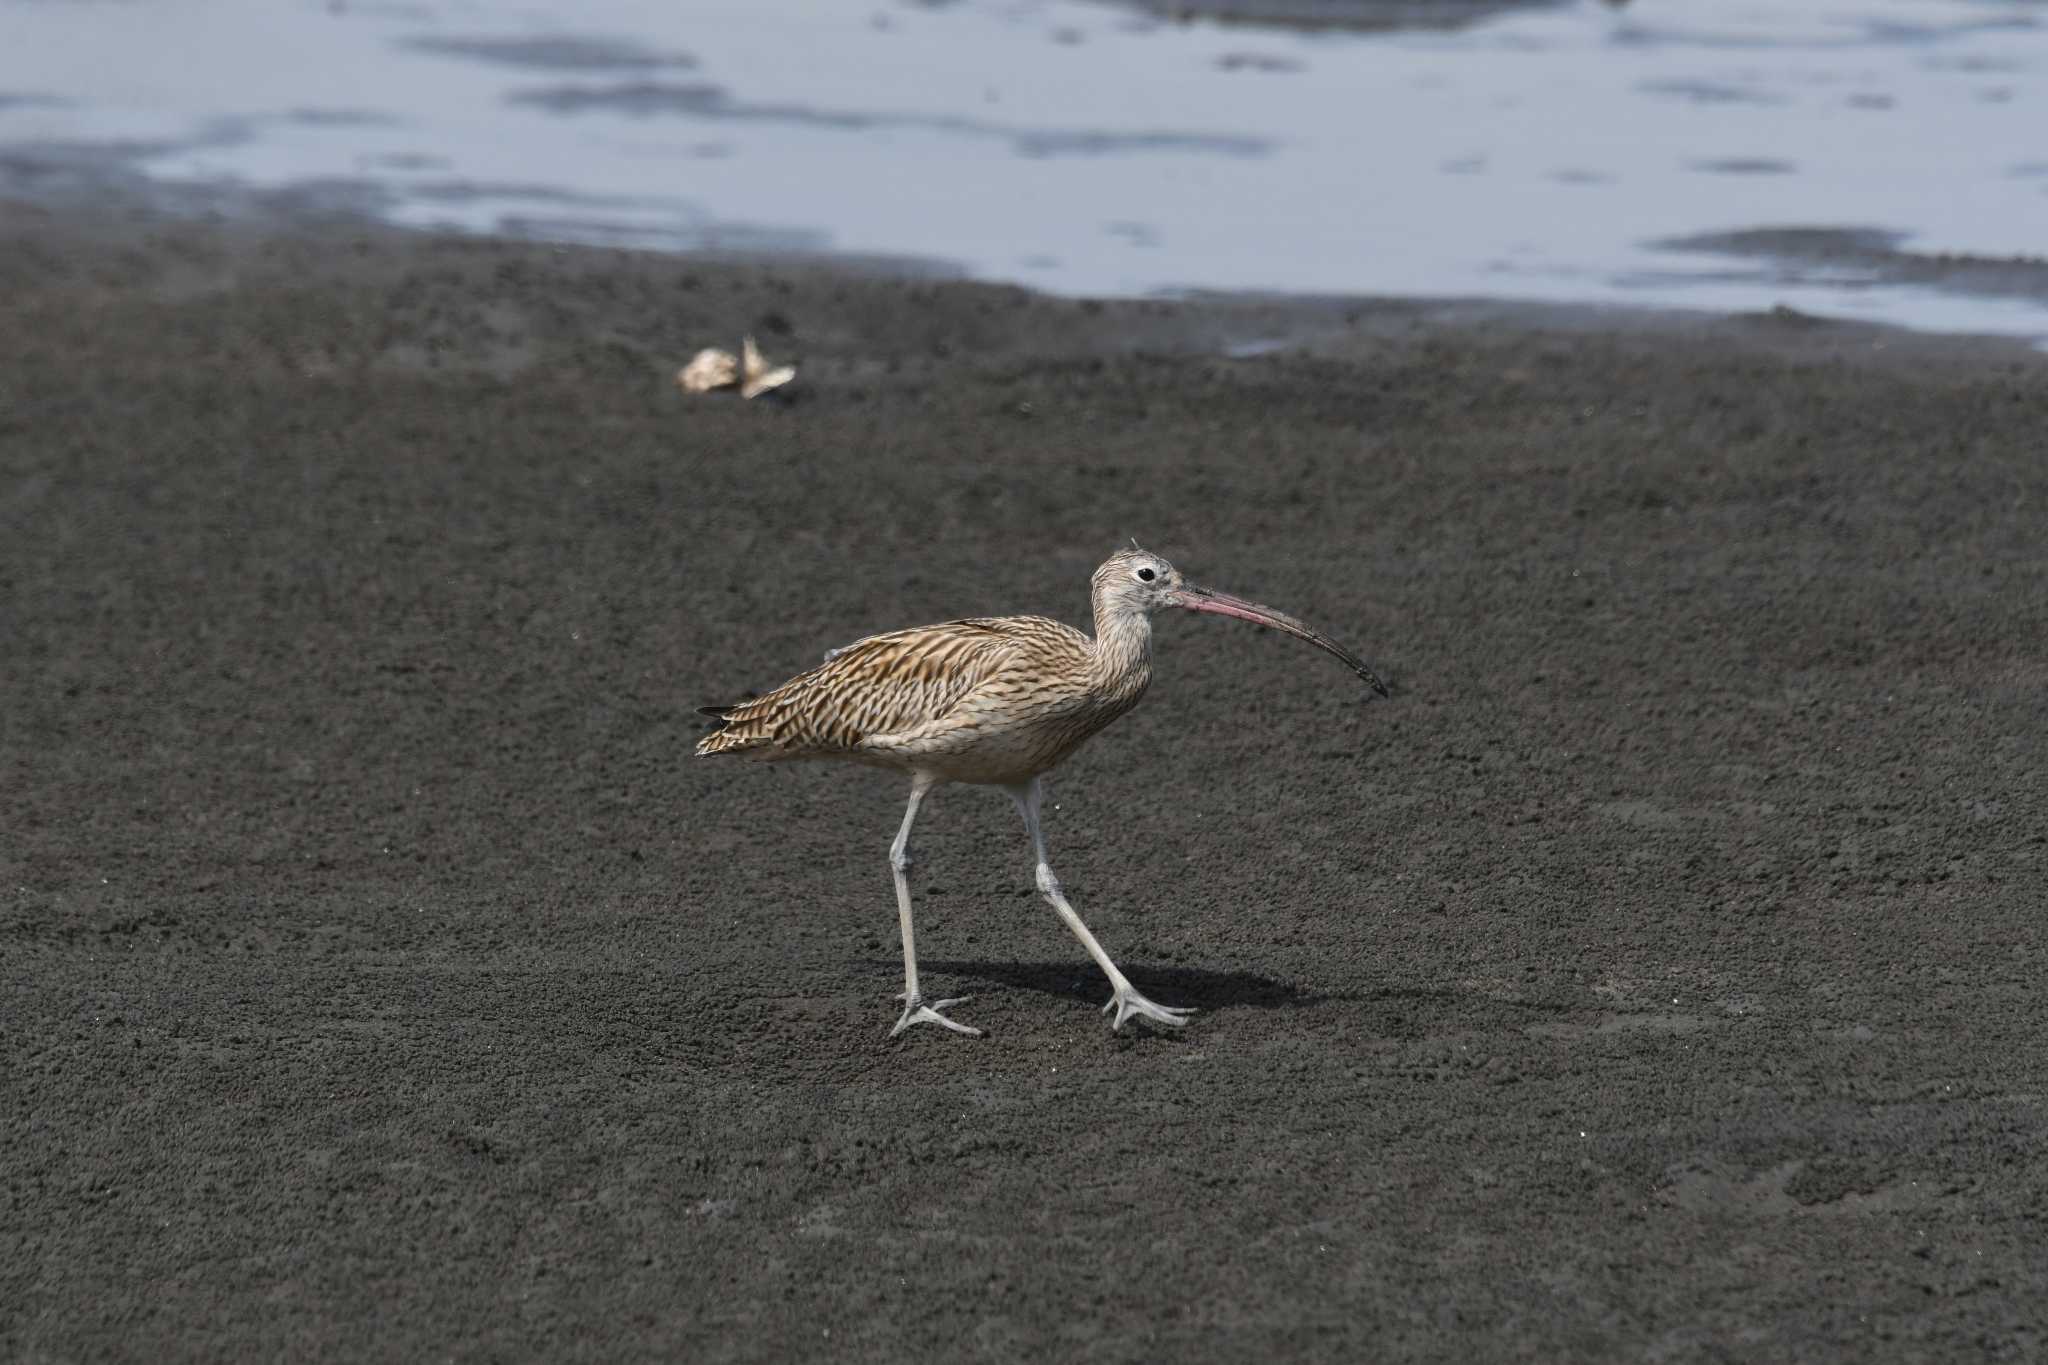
(915, 1010)
(1126, 1001)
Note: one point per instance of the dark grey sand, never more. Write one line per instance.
(1657, 976)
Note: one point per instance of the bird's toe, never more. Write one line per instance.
(916, 1011)
(1129, 1003)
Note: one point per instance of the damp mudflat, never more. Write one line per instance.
(1655, 976)
(1885, 160)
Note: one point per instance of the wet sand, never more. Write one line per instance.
(1655, 976)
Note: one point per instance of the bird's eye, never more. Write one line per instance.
(1146, 575)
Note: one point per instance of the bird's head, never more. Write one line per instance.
(1137, 582)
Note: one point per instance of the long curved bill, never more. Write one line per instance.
(1196, 598)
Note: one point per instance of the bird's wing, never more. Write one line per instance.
(882, 685)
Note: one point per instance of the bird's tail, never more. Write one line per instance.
(732, 732)
(720, 737)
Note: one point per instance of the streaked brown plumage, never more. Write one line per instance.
(992, 700)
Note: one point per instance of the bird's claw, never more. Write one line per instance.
(1128, 1002)
(916, 1011)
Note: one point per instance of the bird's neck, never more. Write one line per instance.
(1123, 649)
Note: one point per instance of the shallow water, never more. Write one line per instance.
(1714, 154)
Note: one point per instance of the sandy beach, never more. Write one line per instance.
(1656, 975)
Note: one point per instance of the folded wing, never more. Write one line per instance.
(882, 685)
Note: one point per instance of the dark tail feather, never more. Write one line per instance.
(720, 714)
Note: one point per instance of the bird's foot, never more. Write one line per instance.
(1127, 1002)
(916, 1011)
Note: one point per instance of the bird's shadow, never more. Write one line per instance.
(1400, 1011)
(1205, 990)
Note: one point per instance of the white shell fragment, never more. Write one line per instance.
(712, 368)
(756, 378)
(709, 369)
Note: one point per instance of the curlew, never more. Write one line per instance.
(997, 701)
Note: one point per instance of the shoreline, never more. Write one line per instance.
(236, 234)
